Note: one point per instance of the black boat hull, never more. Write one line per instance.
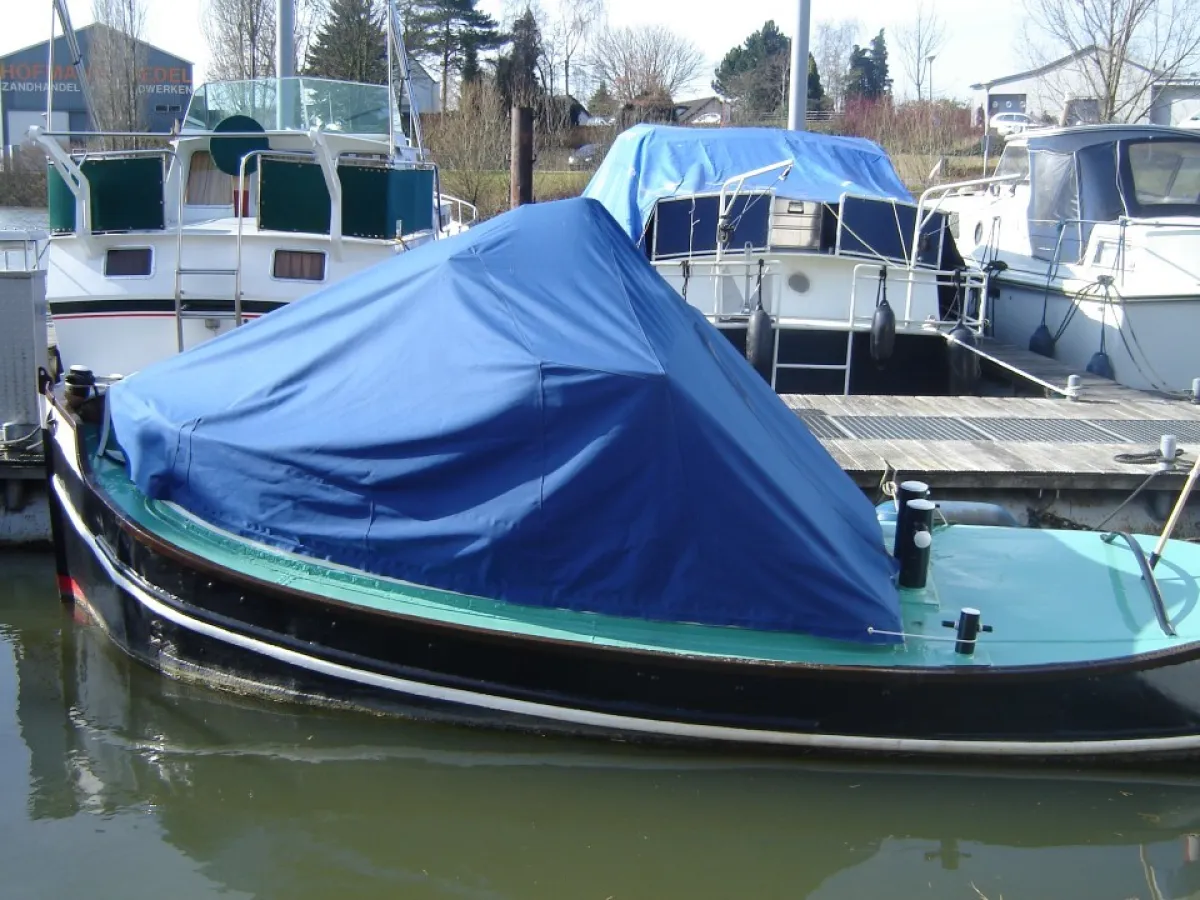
(190, 618)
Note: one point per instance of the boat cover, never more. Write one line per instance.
(526, 412)
(649, 162)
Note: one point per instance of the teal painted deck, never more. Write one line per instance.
(1051, 597)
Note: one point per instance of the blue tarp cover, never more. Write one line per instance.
(650, 162)
(525, 412)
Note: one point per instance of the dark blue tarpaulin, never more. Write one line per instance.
(650, 162)
(526, 412)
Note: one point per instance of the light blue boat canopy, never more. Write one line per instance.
(648, 163)
(525, 412)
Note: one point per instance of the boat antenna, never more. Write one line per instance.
(396, 43)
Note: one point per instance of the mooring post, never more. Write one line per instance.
(521, 158)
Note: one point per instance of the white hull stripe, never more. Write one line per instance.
(618, 723)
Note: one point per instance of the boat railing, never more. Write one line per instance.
(940, 192)
(1156, 598)
(458, 206)
(22, 251)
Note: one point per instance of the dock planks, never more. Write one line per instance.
(1003, 442)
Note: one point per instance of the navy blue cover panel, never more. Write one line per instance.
(649, 162)
(525, 412)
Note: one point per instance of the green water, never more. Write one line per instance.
(117, 783)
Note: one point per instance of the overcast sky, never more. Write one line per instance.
(983, 39)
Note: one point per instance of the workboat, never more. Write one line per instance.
(806, 250)
(1088, 235)
(542, 492)
(272, 188)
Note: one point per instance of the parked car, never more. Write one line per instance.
(584, 156)
(1192, 121)
(1006, 123)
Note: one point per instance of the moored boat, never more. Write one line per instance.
(272, 188)
(543, 493)
(1089, 234)
(806, 250)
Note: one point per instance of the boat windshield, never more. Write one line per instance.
(1165, 173)
(293, 104)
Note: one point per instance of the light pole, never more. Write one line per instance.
(798, 87)
(929, 59)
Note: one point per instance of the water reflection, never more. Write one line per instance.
(215, 793)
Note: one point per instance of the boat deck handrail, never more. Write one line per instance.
(941, 190)
(1156, 598)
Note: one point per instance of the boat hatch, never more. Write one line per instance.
(377, 202)
(126, 194)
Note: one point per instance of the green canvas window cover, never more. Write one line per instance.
(126, 195)
(293, 198)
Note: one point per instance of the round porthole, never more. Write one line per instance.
(798, 282)
(978, 232)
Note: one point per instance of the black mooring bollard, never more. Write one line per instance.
(914, 551)
(905, 491)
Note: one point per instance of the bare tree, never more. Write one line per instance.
(116, 58)
(470, 145)
(573, 23)
(644, 61)
(241, 36)
(921, 38)
(831, 51)
(1121, 48)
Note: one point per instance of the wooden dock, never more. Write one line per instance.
(1104, 442)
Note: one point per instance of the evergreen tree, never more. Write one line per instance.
(868, 72)
(882, 84)
(755, 73)
(471, 71)
(443, 30)
(601, 103)
(350, 45)
(517, 71)
(816, 93)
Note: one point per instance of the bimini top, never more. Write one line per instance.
(650, 162)
(526, 412)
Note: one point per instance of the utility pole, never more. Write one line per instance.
(929, 59)
(798, 86)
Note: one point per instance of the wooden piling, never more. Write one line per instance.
(521, 158)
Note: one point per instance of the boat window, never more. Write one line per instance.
(294, 104)
(1014, 161)
(128, 262)
(299, 265)
(686, 226)
(1165, 172)
(207, 185)
(1054, 228)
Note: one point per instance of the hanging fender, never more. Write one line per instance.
(883, 323)
(760, 335)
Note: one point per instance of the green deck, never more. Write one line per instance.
(1051, 596)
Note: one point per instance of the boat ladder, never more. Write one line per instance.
(183, 310)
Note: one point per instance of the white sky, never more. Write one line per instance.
(983, 38)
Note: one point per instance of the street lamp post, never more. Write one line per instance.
(929, 59)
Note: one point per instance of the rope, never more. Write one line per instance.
(921, 637)
(15, 442)
(1127, 500)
